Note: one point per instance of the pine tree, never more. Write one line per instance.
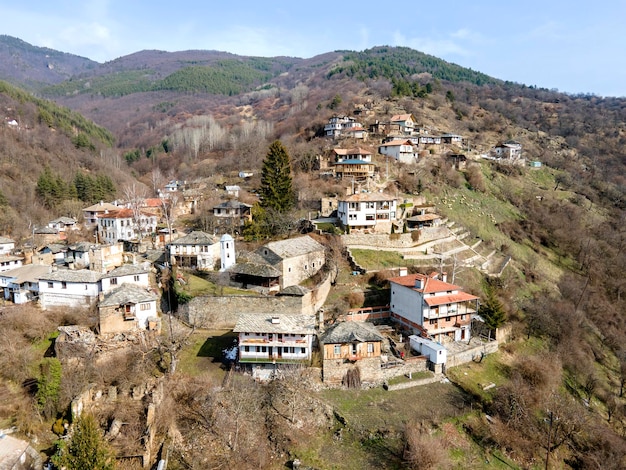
(86, 449)
(492, 310)
(276, 183)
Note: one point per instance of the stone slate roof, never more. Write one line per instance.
(349, 332)
(254, 269)
(55, 248)
(232, 204)
(195, 238)
(127, 294)
(126, 270)
(28, 273)
(81, 246)
(296, 291)
(46, 231)
(290, 248)
(70, 275)
(63, 220)
(262, 323)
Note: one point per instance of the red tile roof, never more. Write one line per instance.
(449, 299)
(120, 214)
(431, 285)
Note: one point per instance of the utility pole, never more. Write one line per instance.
(551, 419)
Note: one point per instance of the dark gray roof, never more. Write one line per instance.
(297, 291)
(232, 204)
(81, 246)
(63, 220)
(46, 231)
(349, 332)
(254, 269)
(55, 248)
(70, 275)
(127, 294)
(289, 248)
(262, 323)
(195, 238)
(126, 270)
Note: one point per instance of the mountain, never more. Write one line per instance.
(33, 67)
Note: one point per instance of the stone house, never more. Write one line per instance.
(432, 307)
(367, 211)
(125, 274)
(351, 345)
(275, 338)
(63, 224)
(296, 259)
(231, 215)
(197, 250)
(126, 308)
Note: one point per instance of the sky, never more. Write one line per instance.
(572, 46)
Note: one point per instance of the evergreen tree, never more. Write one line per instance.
(492, 310)
(87, 449)
(276, 184)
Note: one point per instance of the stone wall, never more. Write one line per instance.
(471, 354)
(221, 312)
(409, 365)
(369, 369)
(401, 240)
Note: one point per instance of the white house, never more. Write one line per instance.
(21, 285)
(123, 224)
(433, 307)
(126, 308)
(6, 246)
(373, 211)
(8, 262)
(436, 352)
(509, 150)
(197, 250)
(401, 150)
(69, 288)
(452, 139)
(296, 259)
(135, 274)
(63, 224)
(275, 338)
(90, 214)
(404, 122)
(339, 124)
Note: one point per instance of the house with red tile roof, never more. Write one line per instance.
(367, 211)
(401, 150)
(432, 307)
(404, 122)
(124, 224)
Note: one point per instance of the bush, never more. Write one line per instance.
(380, 278)
(415, 236)
(355, 299)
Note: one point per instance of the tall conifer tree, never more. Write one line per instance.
(276, 183)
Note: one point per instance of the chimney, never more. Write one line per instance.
(444, 276)
(419, 283)
(275, 320)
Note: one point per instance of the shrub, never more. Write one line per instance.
(355, 299)
(380, 278)
(415, 236)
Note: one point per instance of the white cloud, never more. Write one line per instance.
(440, 47)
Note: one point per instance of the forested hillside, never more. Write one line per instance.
(558, 389)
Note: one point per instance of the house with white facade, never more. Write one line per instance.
(6, 246)
(91, 213)
(135, 274)
(231, 215)
(367, 211)
(197, 250)
(275, 338)
(21, 285)
(400, 150)
(337, 125)
(69, 288)
(124, 224)
(404, 122)
(296, 259)
(8, 262)
(432, 307)
(510, 151)
(63, 224)
(126, 308)
(452, 139)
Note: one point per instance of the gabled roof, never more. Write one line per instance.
(126, 270)
(70, 275)
(120, 214)
(449, 299)
(154, 202)
(353, 161)
(255, 269)
(431, 286)
(63, 220)
(290, 248)
(101, 207)
(350, 332)
(396, 142)
(195, 238)
(295, 291)
(401, 117)
(28, 273)
(127, 294)
(81, 246)
(353, 151)
(262, 323)
(368, 197)
(232, 204)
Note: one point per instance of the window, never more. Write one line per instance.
(113, 281)
(264, 349)
(313, 265)
(337, 350)
(246, 348)
(369, 216)
(86, 286)
(302, 351)
(144, 306)
(63, 285)
(370, 205)
(306, 266)
(50, 285)
(462, 317)
(136, 278)
(370, 347)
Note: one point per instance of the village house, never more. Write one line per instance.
(125, 224)
(197, 250)
(349, 345)
(337, 125)
(91, 213)
(9, 262)
(427, 139)
(63, 224)
(6, 246)
(432, 307)
(367, 211)
(275, 338)
(509, 150)
(232, 190)
(231, 216)
(452, 139)
(353, 163)
(21, 285)
(358, 133)
(126, 308)
(405, 123)
(68, 288)
(135, 274)
(296, 259)
(52, 254)
(400, 150)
